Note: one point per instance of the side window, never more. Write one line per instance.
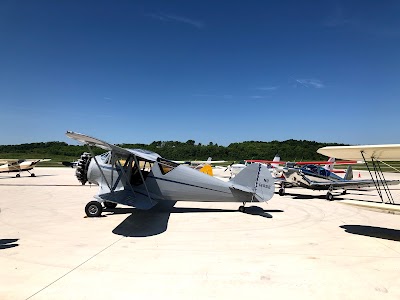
(140, 170)
(166, 165)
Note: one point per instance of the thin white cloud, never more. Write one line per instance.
(315, 83)
(267, 88)
(179, 19)
(257, 97)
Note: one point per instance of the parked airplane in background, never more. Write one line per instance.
(234, 169)
(145, 178)
(374, 154)
(19, 165)
(318, 178)
(276, 170)
(203, 166)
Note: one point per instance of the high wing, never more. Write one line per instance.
(122, 152)
(389, 152)
(85, 139)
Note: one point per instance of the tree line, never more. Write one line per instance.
(289, 150)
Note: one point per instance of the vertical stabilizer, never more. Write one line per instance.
(349, 173)
(257, 179)
(277, 158)
(329, 165)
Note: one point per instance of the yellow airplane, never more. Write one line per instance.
(19, 165)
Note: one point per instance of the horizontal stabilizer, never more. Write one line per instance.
(126, 197)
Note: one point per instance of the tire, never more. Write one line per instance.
(329, 196)
(33, 175)
(242, 208)
(93, 209)
(17, 175)
(281, 192)
(108, 204)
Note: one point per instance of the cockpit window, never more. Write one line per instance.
(140, 171)
(105, 157)
(166, 165)
(316, 170)
(310, 168)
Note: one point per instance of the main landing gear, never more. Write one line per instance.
(329, 196)
(19, 175)
(94, 208)
(242, 208)
(281, 192)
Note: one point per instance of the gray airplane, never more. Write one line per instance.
(318, 178)
(141, 178)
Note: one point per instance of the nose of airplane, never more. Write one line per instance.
(82, 167)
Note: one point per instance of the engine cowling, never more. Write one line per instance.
(82, 167)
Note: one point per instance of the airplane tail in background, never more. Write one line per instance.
(349, 173)
(255, 179)
(329, 166)
(277, 158)
(206, 169)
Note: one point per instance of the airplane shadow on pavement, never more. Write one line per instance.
(142, 223)
(8, 243)
(372, 231)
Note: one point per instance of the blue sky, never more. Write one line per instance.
(211, 71)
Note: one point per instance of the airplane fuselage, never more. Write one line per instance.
(166, 181)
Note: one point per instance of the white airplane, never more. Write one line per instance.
(318, 178)
(234, 169)
(142, 178)
(203, 166)
(375, 154)
(19, 165)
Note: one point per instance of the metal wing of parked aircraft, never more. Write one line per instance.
(374, 154)
(142, 178)
(389, 152)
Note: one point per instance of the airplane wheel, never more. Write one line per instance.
(93, 209)
(17, 175)
(329, 196)
(33, 175)
(281, 192)
(242, 208)
(344, 192)
(108, 204)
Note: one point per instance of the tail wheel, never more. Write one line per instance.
(93, 209)
(82, 167)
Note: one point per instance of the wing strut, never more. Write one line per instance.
(143, 180)
(379, 177)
